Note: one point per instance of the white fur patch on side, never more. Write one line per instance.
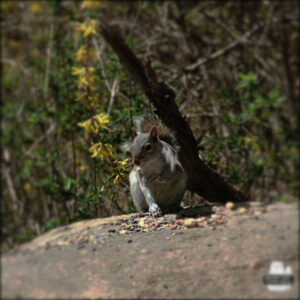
(133, 177)
(170, 154)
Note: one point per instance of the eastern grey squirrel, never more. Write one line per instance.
(157, 180)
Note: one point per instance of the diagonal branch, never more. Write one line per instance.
(226, 49)
(201, 179)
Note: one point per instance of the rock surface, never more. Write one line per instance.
(225, 255)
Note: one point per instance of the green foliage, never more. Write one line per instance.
(25, 236)
(246, 116)
(53, 223)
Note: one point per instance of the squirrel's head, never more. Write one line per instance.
(145, 148)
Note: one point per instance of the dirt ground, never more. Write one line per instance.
(221, 252)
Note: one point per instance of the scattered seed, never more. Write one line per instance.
(242, 210)
(173, 227)
(219, 220)
(141, 222)
(190, 223)
(229, 205)
(257, 213)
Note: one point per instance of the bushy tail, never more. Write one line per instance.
(146, 121)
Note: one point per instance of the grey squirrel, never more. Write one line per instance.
(157, 180)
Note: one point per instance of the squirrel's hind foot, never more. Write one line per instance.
(154, 210)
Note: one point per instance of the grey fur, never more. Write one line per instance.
(157, 180)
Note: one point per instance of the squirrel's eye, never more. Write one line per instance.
(148, 147)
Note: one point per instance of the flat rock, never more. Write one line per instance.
(159, 258)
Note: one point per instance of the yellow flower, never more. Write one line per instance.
(87, 125)
(86, 76)
(83, 167)
(254, 144)
(83, 55)
(95, 149)
(104, 152)
(78, 71)
(82, 71)
(88, 28)
(93, 55)
(88, 4)
(120, 165)
(35, 7)
(28, 187)
(102, 120)
(88, 80)
(118, 179)
(94, 123)
(82, 82)
(220, 163)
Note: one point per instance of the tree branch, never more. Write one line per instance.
(226, 49)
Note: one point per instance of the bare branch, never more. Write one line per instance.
(40, 139)
(226, 49)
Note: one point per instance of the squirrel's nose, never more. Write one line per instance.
(136, 162)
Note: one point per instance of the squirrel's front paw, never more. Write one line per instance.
(155, 210)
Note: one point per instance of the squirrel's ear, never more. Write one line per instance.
(153, 133)
(134, 132)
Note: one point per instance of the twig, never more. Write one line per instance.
(11, 188)
(14, 64)
(49, 50)
(129, 99)
(226, 49)
(98, 52)
(220, 24)
(235, 36)
(40, 139)
(113, 92)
